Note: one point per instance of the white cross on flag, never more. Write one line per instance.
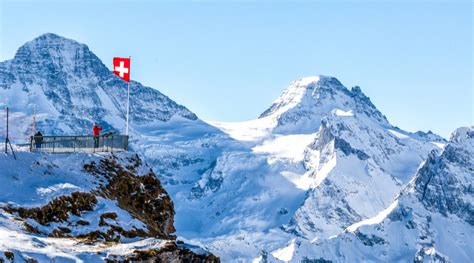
(122, 68)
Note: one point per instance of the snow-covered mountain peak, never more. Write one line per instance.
(55, 53)
(299, 90)
(464, 135)
(71, 88)
(49, 41)
(306, 101)
(321, 80)
(429, 136)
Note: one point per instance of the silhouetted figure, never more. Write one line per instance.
(38, 139)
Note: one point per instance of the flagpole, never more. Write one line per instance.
(128, 94)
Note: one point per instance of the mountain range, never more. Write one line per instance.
(320, 176)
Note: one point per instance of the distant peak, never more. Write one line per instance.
(51, 38)
(302, 91)
(462, 134)
(48, 41)
(50, 45)
(318, 79)
(50, 52)
(309, 99)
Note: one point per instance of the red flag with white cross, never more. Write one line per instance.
(122, 68)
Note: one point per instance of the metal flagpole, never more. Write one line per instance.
(128, 95)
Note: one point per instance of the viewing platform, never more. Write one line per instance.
(80, 143)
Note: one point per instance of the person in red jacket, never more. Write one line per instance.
(96, 129)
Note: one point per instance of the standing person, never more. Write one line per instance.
(96, 129)
(38, 139)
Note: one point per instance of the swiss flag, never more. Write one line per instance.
(122, 68)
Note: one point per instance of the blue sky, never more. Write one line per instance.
(229, 61)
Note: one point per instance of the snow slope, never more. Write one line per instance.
(431, 220)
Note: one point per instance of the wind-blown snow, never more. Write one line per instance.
(286, 253)
(246, 131)
(374, 220)
(290, 147)
(398, 134)
(339, 112)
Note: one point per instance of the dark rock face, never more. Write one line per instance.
(346, 148)
(59, 209)
(327, 134)
(445, 183)
(369, 240)
(365, 105)
(319, 260)
(142, 196)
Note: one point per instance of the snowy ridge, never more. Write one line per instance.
(416, 226)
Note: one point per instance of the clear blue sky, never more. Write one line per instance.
(229, 61)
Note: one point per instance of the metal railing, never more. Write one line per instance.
(71, 144)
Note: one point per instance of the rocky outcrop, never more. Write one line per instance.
(141, 195)
(444, 183)
(127, 203)
(59, 209)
